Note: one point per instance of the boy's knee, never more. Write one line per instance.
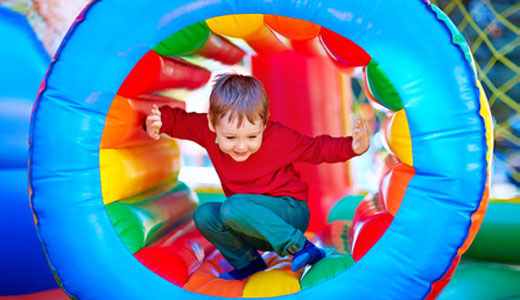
(231, 210)
(206, 215)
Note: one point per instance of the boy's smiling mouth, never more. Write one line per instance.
(240, 153)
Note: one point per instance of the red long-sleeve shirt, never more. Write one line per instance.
(270, 170)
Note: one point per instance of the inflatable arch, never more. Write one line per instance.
(430, 68)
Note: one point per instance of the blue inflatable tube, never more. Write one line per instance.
(407, 39)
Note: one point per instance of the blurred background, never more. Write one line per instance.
(491, 30)
(31, 32)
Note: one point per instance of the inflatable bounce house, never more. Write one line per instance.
(115, 221)
(23, 64)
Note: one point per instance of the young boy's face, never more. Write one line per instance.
(241, 142)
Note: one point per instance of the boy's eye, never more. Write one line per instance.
(230, 137)
(252, 136)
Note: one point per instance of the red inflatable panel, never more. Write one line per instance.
(347, 53)
(438, 286)
(54, 294)
(368, 232)
(155, 72)
(367, 208)
(305, 94)
(176, 256)
(220, 49)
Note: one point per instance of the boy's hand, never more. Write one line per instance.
(360, 136)
(153, 123)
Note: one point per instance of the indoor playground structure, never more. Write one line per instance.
(115, 222)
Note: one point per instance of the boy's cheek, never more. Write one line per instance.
(224, 146)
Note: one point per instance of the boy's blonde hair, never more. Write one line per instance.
(242, 95)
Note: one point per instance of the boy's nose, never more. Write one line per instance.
(241, 146)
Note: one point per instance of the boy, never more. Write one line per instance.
(266, 208)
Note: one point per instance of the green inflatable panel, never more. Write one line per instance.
(184, 42)
(139, 223)
(210, 197)
(481, 281)
(344, 209)
(326, 268)
(381, 87)
(498, 238)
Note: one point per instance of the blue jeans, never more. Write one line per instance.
(245, 223)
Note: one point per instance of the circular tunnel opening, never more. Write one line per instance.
(306, 71)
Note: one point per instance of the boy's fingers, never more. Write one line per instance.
(155, 110)
(365, 127)
(154, 118)
(156, 121)
(157, 125)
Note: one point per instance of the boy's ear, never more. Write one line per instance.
(210, 124)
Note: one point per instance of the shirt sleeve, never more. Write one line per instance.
(180, 124)
(316, 150)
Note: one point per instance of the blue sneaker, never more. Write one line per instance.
(310, 254)
(258, 264)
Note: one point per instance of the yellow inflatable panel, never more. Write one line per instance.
(126, 172)
(250, 28)
(237, 26)
(271, 283)
(478, 216)
(397, 136)
(485, 113)
(277, 280)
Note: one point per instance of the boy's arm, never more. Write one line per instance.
(325, 148)
(177, 123)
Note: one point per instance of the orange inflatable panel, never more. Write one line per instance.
(205, 280)
(155, 72)
(125, 119)
(291, 28)
(393, 185)
(302, 34)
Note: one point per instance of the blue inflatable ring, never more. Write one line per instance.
(407, 39)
